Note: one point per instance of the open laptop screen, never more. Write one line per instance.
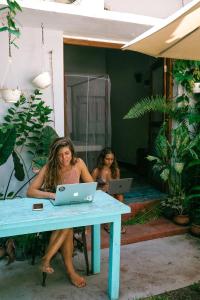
(75, 193)
(120, 186)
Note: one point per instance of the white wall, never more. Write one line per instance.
(27, 63)
(154, 8)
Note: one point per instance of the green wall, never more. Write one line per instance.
(128, 135)
(84, 60)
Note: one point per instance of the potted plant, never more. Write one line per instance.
(180, 207)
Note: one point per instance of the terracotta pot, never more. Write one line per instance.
(181, 219)
(195, 229)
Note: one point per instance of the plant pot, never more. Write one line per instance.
(42, 81)
(195, 229)
(169, 213)
(196, 88)
(10, 95)
(181, 219)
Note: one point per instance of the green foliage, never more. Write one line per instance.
(7, 142)
(22, 130)
(18, 166)
(186, 72)
(28, 117)
(174, 153)
(48, 135)
(173, 157)
(9, 22)
(179, 203)
(194, 193)
(150, 214)
(146, 105)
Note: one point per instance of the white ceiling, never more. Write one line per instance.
(103, 26)
(154, 8)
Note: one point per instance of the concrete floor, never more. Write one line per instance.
(147, 268)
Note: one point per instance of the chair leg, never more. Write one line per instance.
(44, 277)
(34, 248)
(85, 251)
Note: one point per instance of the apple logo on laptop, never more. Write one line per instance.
(61, 188)
(75, 194)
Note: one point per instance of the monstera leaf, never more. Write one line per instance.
(7, 143)
(48, 135)
(18, 166)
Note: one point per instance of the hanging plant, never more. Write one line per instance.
(8, 20)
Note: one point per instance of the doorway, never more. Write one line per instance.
(126, 137)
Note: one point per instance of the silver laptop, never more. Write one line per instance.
(74, 193)
(120, 186)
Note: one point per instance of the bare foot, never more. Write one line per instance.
(46, 268)
(107, 228)
(77, 280)
(123, 229)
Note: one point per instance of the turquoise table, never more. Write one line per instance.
(17, 217)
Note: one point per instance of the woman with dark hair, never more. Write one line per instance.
(62, 168)
(106, 170)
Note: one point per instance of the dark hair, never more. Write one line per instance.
(100, 161)
(52, 176)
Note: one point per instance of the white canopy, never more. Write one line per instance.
(178, 36)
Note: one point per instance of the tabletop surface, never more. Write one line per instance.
(18, 212)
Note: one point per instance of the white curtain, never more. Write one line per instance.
(88, 114)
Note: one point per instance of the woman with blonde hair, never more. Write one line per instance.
(62, 168)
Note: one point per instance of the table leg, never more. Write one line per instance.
(114, 259)
(96, 248)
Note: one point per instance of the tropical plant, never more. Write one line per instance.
(21, 131)
(172, 157)
(174, 153)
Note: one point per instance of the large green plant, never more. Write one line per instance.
(174, 153)
(21, 131)
(172, 157)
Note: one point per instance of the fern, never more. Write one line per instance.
(146, 105)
